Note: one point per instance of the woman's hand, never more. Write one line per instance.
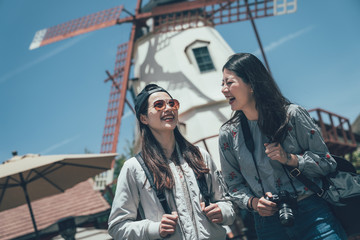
(168, 224)
(263, 206)
(212, 212)
(275, 152)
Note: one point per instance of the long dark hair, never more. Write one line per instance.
(154, 156)
(270, 103)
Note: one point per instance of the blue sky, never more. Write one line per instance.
(53, 100)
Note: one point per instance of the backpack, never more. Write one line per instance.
(160, 193)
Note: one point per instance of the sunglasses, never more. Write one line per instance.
(160, 105)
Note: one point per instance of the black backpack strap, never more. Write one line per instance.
(160, 194)
(249, 141)
(250, 145)
(203, 187)
(342, 165)
(296, 173)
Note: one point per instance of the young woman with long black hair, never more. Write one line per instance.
(282, 134)
(176, 166)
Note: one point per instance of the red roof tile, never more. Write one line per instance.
(77, 201)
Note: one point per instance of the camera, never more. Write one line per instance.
(286, 202)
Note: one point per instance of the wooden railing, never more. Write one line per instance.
(337, 132)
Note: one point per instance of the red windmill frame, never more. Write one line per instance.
(173, 16)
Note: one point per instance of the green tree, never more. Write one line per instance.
(355, 159)
(119, 162)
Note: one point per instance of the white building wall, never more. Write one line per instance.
(103, 179)
(206, 121)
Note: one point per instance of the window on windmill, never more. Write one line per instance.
(203, 59)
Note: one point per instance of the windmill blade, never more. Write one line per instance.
(116, 101)
(118, 95)
(237, 10)
(78, 26)
(184, 15)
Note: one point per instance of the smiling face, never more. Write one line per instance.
(163, 120)
(237, 92)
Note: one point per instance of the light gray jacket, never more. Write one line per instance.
(131, 195)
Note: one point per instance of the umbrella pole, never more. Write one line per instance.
(23, 185)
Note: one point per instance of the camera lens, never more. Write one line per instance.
(286, 215)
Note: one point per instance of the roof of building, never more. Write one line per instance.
(80, 200)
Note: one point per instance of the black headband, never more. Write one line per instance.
(144, 95)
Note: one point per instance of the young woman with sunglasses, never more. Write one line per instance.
(176, 165)
(282, 134)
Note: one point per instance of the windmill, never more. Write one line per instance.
(172, 43)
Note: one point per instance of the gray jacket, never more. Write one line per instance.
(131, 195)
(303, 138)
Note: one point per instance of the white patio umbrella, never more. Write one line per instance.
(30, 177)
